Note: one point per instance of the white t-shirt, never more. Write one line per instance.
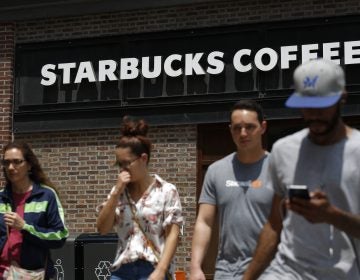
(320, 249)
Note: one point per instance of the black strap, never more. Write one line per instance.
(135, 219)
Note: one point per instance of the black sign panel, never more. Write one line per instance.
(64, 260)
(94, 255)
(174, 75)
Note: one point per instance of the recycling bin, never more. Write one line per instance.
(64, 259)
(94, 254)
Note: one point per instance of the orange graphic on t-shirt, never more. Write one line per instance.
(256, 184)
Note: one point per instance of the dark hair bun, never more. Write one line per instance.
(132, 127)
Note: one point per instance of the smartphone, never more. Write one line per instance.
(299, 191)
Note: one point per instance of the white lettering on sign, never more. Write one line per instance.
(129, 68)
(107, 69)
(146, 72)
(168, 65)
(49, 77)
(85, 71)
(237, 61)
(273, 56)
(287, 54)
(331, 52)
(216, 65)
(175, 65)
(352, 49)
(66, 67)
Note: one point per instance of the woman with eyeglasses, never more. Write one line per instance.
(31, 215)
(144, 210)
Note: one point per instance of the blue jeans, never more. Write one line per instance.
(138, 270)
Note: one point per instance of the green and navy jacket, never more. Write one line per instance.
(44, 226)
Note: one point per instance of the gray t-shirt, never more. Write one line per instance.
(320, 249)
(243, 203)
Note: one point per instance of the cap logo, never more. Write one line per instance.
(310, 82)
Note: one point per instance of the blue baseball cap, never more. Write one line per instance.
(318, 84)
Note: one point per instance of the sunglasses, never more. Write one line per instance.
(15, 162)
(125, 164)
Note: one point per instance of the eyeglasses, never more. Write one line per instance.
(15, 162)
(125, 164)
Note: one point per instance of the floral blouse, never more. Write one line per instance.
(158, 207)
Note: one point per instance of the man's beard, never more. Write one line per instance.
(329, 125)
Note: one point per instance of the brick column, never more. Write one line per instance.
(7, 54)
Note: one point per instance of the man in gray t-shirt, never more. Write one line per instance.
(317, 237)
(234, 188)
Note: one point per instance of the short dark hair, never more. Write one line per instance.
(251, 105)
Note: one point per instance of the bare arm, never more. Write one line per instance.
(171, 241)
(201, 239)
(319, 210)
(267, 243)
(345, 221)
(106, 218)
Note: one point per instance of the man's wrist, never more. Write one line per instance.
(333, 214)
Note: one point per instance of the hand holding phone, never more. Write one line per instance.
(298, 191)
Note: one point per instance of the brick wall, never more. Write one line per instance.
(80, 162)
(173, 18)
(7, 52)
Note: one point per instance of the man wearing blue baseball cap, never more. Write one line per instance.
(317, 237)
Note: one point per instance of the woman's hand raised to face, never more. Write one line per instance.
(124, 178)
